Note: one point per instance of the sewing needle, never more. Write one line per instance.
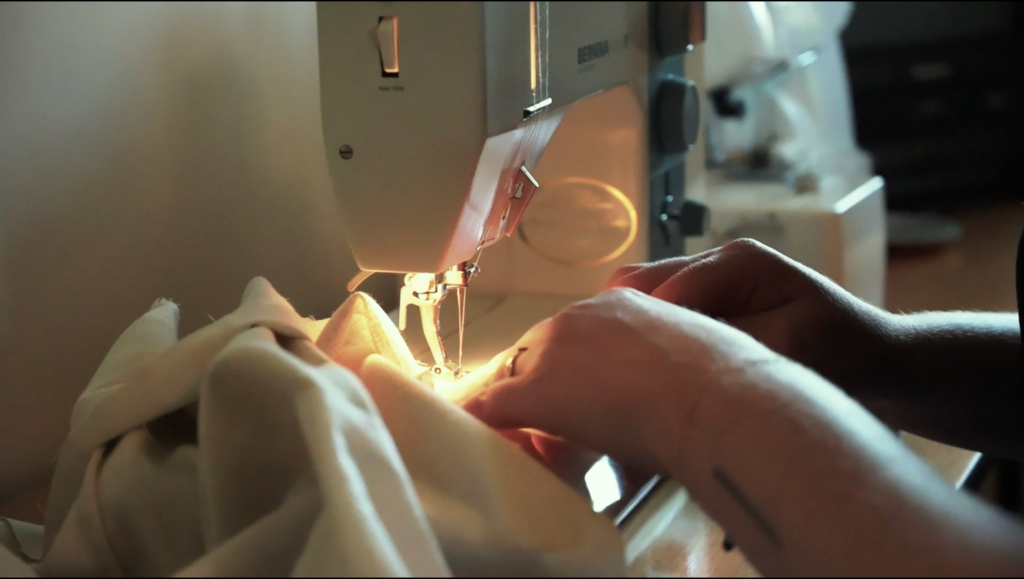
(460, 293)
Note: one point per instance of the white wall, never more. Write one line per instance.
(149, 150)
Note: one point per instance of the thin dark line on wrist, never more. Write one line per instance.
(759, 519)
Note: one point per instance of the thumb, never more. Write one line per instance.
(509, 400)
(506, 404)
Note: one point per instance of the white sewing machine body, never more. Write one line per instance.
(438, 118)
(433, 161)
(785, 167)
(435, 144)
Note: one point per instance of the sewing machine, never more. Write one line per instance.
(784, 164)
(526, 149)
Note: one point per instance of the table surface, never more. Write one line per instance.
(975, 273)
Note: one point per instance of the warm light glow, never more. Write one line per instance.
(442, 385)
(394, 39)
(618, 196)
(533, 46)
(602, 484)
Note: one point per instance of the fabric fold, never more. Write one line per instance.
(247, 449)
(491, 505)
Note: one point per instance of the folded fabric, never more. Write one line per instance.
(494, 509)
(269, 444)
(12, 566)
(23, 543)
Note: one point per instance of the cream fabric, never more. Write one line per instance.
(24, 545)
(268, 444)
(13, 566)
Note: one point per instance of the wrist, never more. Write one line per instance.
(711, 412)
(876, 360)
(931, 350)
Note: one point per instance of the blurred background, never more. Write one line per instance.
(937, 99)
(876, 143)
(936, 90)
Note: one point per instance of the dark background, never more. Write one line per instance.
(937, 98)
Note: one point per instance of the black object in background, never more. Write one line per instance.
(937, 94)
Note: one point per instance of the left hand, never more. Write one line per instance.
(785, 305)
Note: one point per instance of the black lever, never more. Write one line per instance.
(692, 218)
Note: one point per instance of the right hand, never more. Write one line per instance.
(621, 374)
(790, 308)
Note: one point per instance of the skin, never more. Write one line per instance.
(745, 376)
(920, 372)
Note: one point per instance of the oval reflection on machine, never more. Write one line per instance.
(579, 222)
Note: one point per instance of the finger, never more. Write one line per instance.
(730, 283)
(516, 399)
(498, 368)
(569, 461)
(536, 336)
(505, 405)
(622, 272)
(646, 277)
(477, 381)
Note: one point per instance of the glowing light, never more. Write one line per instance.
(615, 194)
(533, 46)
(394, 69)
(602, 484)
(387, 35)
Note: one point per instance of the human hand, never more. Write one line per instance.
(790, 308)
(619, 374)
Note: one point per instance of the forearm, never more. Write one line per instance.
(955, 377)
(808, 483)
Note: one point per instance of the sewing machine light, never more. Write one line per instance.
(387, 37)
(533, 46)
